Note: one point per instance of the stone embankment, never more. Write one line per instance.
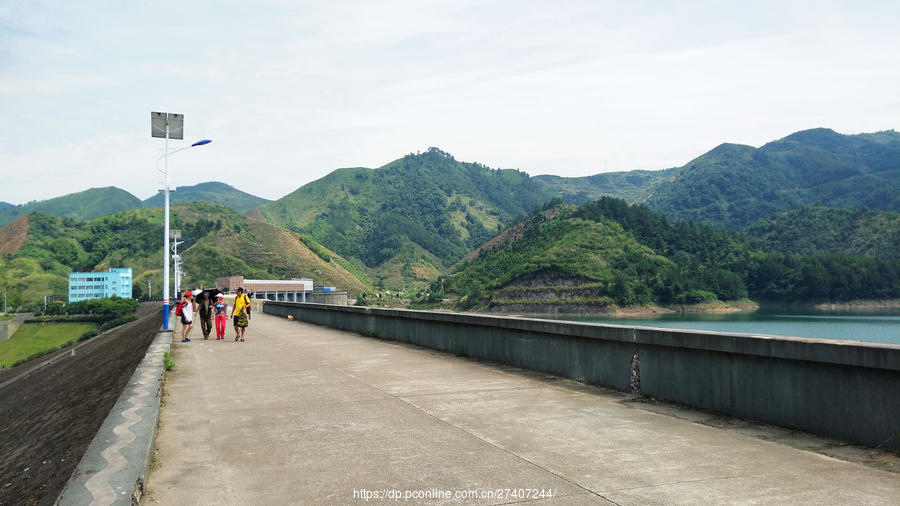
(8, 328)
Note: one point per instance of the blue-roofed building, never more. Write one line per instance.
(97, 285)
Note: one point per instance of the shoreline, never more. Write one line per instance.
(856, 305)
(587, 310)
(718, 307)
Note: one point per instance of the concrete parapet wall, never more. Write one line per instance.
(339, 298)
(843, 389)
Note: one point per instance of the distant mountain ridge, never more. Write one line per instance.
(84, 205)
(416, 214)
(734, 185)
(632, 186)
(97, 202)
(212, 191)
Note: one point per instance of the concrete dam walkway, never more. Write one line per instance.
(301, 413)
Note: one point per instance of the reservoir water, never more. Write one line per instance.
(881, 326)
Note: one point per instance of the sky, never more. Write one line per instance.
(289, 91)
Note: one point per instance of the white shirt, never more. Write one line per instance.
(187, 310)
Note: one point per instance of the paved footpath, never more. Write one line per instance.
(300, 413)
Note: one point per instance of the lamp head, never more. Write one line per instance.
(200, 143)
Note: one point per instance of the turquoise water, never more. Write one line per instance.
(881, 326)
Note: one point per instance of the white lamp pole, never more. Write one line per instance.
(168, 125)
(178, 272)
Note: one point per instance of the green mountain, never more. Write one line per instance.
(816, 230)
(40, 250)
(633, 186)
(213, 191)
(411, 217)
(5, 205)
(735, 185)
(85, 205)
(608, 254)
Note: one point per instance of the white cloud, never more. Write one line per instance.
(290, 91)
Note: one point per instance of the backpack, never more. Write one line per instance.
(178, 311)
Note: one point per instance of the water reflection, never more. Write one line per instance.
(874, 326)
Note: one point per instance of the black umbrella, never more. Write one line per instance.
(209, 292)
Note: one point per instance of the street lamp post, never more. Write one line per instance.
(179, 272)
(168, 126)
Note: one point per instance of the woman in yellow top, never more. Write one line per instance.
(240, 313)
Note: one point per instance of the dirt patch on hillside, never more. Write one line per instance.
(514, 233)
(49, 416)
(14, 235)
(256, 214)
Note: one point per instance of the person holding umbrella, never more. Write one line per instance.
(205, 308)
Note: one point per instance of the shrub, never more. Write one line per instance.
(87, 335)
(167, 361)
(118, 321)
(696, 297)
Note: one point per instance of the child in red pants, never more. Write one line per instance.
(221, 316)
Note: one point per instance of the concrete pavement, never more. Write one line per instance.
(300, 413)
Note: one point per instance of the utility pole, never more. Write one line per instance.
(149, 291)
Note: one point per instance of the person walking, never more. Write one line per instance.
(205, 309)
(187, 316)
(221, 310)
(240, 314)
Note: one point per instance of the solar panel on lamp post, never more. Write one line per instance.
(169, 126)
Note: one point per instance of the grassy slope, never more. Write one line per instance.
(224, 243)
(267, 252)
(33, 338)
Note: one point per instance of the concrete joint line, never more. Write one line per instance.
(681, 482)
(464, 431)
(98, 485)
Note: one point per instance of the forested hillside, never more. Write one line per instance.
(400, 227)
(222, 243)
(410, 218)
(84, 205)
(733, 185)
(607, 253)
(816, 230)
(213, 191)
